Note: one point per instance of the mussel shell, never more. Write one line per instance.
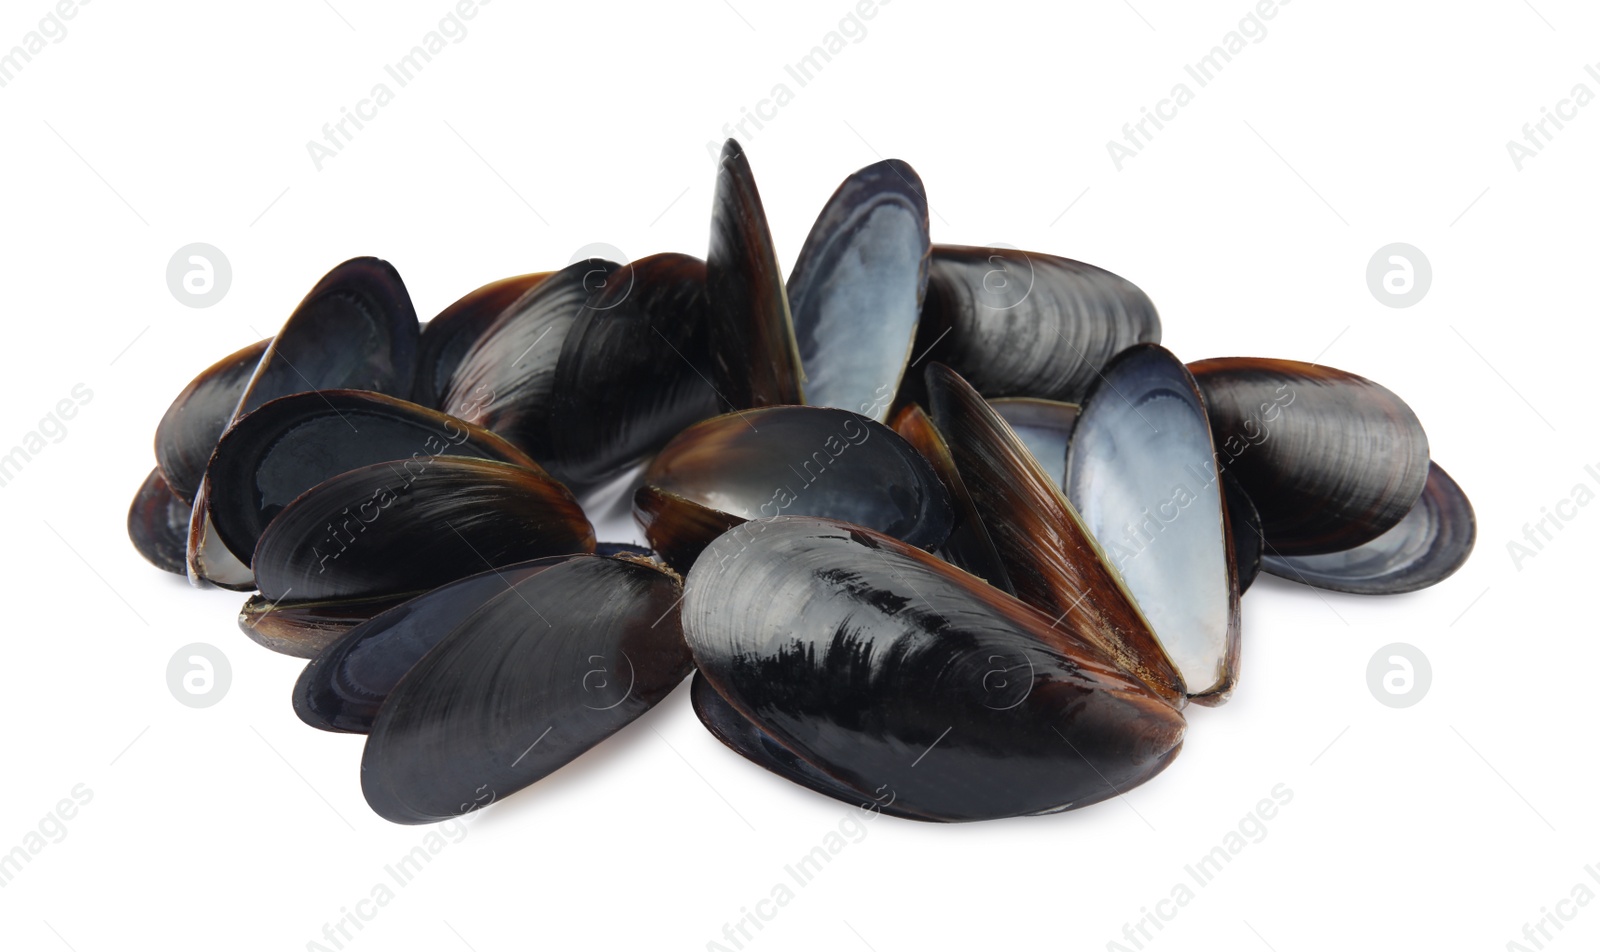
(208, 559)
(757, 746)
(343, 686)
(893, 672)
(754, 355)
(1025, 324)
(287, 446)
(188, 431)
(387, 530)
(856, 292)
(1142, 474)
(537, 676)
(1423, 549)
(306, 629)
(1331, 460)
(634, 370)
(447, 338)
(968, 546)
(158, 523)
(1050, 557)
(356, 330)
(1044, 427)
(806, 460)
(506, 382)
(1244, 530)
(679, 529)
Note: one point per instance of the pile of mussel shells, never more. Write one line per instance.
(938, 530)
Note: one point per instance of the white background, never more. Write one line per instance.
(1249, 220)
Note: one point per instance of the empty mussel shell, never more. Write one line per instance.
(1331, 460)
(1142, 473)
(1051, 559)
(158, 523)
(754, 356)
(293, 443)
(390, 529)
(1423, 549)
(1044, 427)
(857, 287)
(806, 460)
(634, 370)
(895, 674)
(343, 686)
(506, 381)
(1024, 324)
(188, 431)
(447, 338)
(538, 675)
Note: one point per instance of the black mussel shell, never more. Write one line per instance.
(343, 686)
(747, 740)
(447, 338)
(188, 431)
(1331, 460)
(306, 629)
(968, 546)
(857, 287)
(388, 529)
(806, 460)
(287, 446)
(1024, 324)
(506, 381)
(1050, 557)
(635, 370)
(534, 678)
(754, 354)
(158, 523)
(1423, 549)
(1244, 530)
(899, 677)
(1142, 474)
(1044, 427)
(679, 529)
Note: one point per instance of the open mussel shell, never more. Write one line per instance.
(293, 443)
(1024, 324)
(857, 287)
(634, 370)
(1423, 549)
(188, 431)
(538, 675)
(343, 686)
(1051, 559)
(386, 530)
(818, 461)
(968, 546)
(1244, 531)
(744, 738)
(356, 330)
(1142, 473)
(895, 674)
(447, 338)
(754, 354)
(506, 381)
(677, 528)
(306, 629)
(1045, 428)
(1331, 460)
(158, 524)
